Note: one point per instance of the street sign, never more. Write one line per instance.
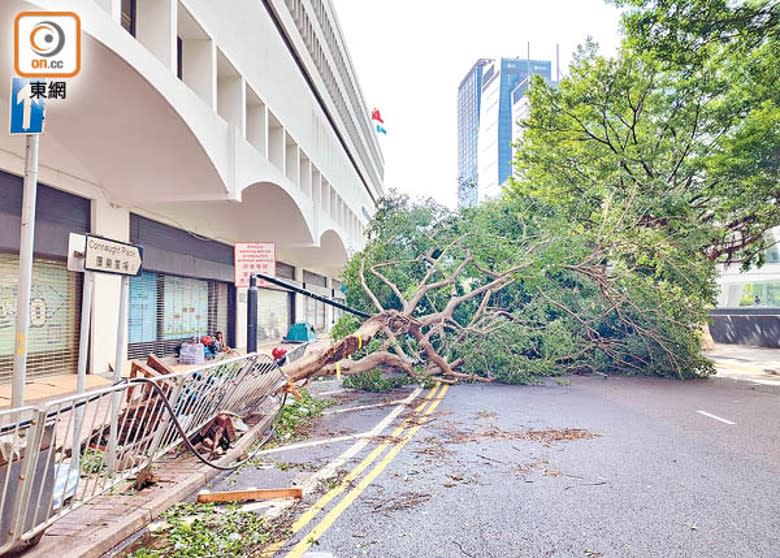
(112, 256)
(27, 111)
(254, 257)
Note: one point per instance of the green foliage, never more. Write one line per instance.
(297, 417)
(678, 133)
(203, 530)
(566, 309)
(346, 325)
(375, 382)
(92, 461)
(399, 234)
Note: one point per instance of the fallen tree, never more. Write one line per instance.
(426, 286)
(388, 325)
(500, 294)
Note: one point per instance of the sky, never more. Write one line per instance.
(410, 56)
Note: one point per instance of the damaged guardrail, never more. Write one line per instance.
(56, 456)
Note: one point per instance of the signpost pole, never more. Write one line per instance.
(81, 378)
(86, 315)
(251, 315)
(25, 269)
(119, 354)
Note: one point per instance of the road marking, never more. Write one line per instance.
(313, 443)
(362, 407)
(357, 470)
(706, 414)
(330, 469)
(381, 425)
(300, 549)
(309, 514)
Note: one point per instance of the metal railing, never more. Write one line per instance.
(56, 456)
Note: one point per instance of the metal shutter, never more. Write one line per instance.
(191, 287)
(54, 318)
(219, 306)
(57, 213)
(165, 310)
(285, 271)
(56, 293)
(315, 311)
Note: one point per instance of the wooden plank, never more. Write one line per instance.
(253, 494)
(145, 370)
(155, 363)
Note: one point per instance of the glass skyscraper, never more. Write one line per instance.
(469, 96)
(486, 97)
(513, 72)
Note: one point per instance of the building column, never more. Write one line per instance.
(241, 307)
(112, 222)
(300, 300)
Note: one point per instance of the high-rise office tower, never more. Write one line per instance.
(504, 84)
(469, 96)
(490, 97)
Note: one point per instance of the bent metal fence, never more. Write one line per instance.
(56, 456)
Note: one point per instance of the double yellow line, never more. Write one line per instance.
(407, 430)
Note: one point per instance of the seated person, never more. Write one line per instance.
(219, 345)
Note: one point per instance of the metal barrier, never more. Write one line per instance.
(57, 456)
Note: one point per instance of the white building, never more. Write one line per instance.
(192, 125)
(758, 287)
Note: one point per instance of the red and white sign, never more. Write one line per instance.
(254, 257)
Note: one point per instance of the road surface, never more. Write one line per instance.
(616, 467)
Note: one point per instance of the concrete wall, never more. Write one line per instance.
(746, 326)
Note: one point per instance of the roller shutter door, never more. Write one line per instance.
(53, 339)
(165, 310)
(55, 308)
(185, 292)
(315, 311)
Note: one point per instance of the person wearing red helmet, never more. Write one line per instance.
(279, 354)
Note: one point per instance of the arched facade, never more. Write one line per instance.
(216, 126)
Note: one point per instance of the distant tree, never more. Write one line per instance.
(684, 121)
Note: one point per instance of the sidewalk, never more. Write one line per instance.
(759, 365)
(50, 387)
(107, 520)
(761, 358)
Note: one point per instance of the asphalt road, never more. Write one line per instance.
(616, 467)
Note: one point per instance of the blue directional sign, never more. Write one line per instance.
(28, 104)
